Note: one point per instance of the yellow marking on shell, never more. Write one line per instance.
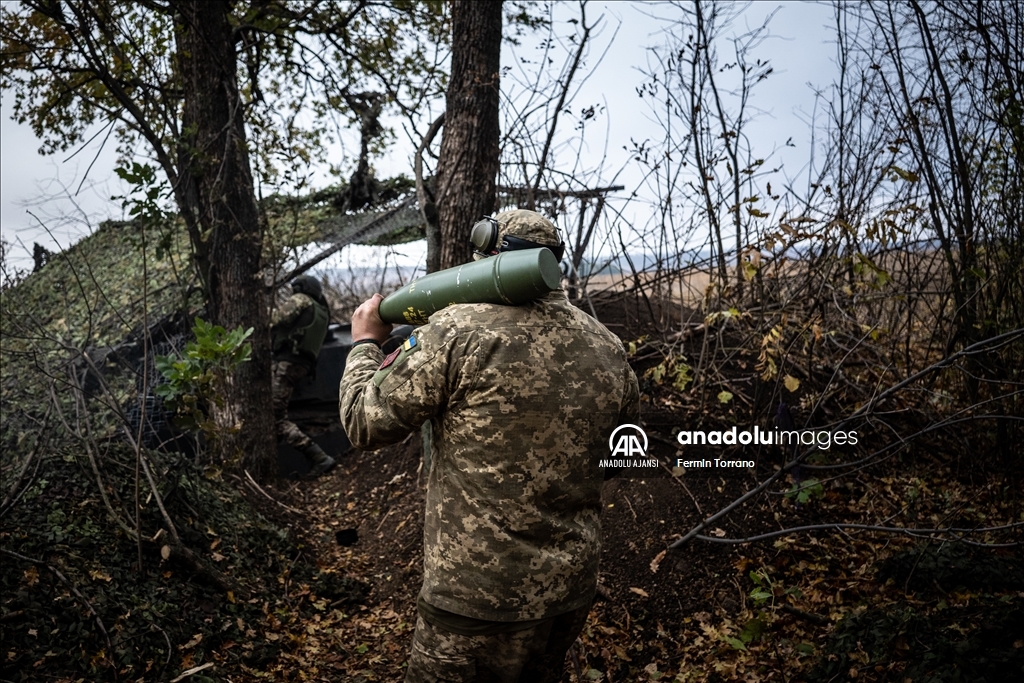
(414, 316)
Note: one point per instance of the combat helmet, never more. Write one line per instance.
(307, 284)
(515, 229)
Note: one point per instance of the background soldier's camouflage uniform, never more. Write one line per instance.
(296, 314)
(286, 376)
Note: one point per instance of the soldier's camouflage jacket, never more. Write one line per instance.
(298, 327)
(522, 402)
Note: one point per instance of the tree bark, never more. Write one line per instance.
(217, 162)
(468, 163)
(427, 200)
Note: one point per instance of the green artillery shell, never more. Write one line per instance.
(511, 278)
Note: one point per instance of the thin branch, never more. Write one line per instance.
(1001, 339)
(577, 58)
(977, 347)
(429, 217)
(88, 445)
(252, 484)
(596, 192)
(128, 435)
(44, 437)
(421, 190)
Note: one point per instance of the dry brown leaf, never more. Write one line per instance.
(32, 576)
(656, 562)
(193, 641)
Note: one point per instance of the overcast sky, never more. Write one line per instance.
(54, 201)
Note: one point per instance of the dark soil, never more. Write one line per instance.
(380, 495)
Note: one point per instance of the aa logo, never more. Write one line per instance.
(628, 442)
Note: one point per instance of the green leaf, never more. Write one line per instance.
(724, 396)
(753, 630)
(658, 372)
(682, 377)
(736, 643)
(806, 490)
(193, 381)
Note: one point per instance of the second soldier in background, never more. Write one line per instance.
(298, 329)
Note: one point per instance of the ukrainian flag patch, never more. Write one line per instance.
(396, 359)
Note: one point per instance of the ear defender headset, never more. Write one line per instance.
(484, 237)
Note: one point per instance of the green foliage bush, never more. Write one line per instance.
(193, 379)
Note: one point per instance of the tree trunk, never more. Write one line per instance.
(218, 167)
(468, 164)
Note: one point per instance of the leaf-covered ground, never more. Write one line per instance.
(328, 585)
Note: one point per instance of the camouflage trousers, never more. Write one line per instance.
(532, 655)
(286, 377)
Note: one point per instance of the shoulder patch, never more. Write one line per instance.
(395, 359)
(390, 359)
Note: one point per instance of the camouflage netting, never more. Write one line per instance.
(93, 296)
